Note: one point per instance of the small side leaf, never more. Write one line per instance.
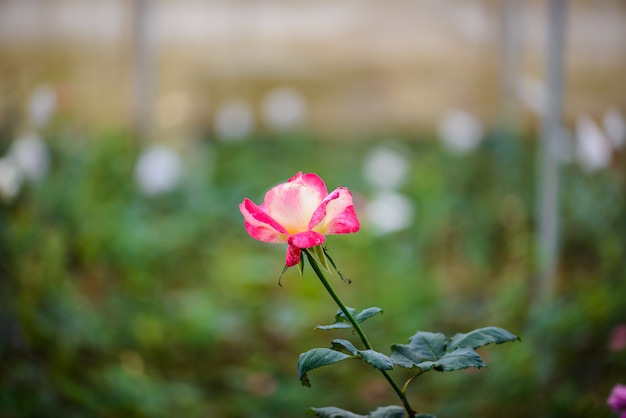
(381, 412)
(317, 357)
(387, 412)
(375, 359)
(339, 344)
(342, 321)
(423, 346)
(402, 356)
(336, 325)
(480, 337)
(367, 313)
(340, 316)
(333, 412)
(459, 359)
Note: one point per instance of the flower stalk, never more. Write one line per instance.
(320, 274)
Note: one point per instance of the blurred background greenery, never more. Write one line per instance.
(131, 131)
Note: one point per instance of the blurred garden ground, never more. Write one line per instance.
(131, 131)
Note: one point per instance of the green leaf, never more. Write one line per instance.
(423, 346)
(432, 351)
(317, 357)
(340, 316)
(429, 351)
(480, 337)
(381, 412)
(378, 360)
(338, 344)
(375, 359)
(458, 359)
(387, 412)
(336, 325)
(367, 313)
(332, 412)
(342, 321)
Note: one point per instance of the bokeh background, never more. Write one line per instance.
(130, 130)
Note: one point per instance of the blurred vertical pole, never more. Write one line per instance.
(549, 150)
(144, 67)
(511, 55)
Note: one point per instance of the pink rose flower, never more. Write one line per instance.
(617, 400)
(300, 213)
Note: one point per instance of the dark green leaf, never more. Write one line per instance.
(459, 359)
(332, 412)
(378, 360)
(425, 416)
(317, 357)
(429, 351)
(341, 320)
(367, 313)
(381, 412)
(387, 412)
(373, 358)
(336, 325)
(481, 337)
(423, 346)
(346, 345)
(340, 316)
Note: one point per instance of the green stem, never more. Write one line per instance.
(357, 328)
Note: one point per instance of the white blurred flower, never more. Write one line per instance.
(42, 104)
(593, 149)
(615, 127)
(284, 108)
(389, 211)
(158, 170)
(234, 120)
(10, 178)
(386, 168)
(30, 154)
(460, 131)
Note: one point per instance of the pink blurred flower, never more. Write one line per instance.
(300, 213)
(617, 400)
(617, 341)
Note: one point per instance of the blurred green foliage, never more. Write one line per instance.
(116, 304)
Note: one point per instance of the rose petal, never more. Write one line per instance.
(320, 212)
(340, 217)
(306, 239)
(346, 223)
(292, 204)
(293, 256)
(312, 181)
(260, 225)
